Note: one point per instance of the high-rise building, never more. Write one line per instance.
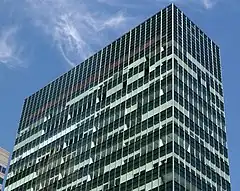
(144, 113)
(4, 156)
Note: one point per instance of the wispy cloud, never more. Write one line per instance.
(206, 4)
(74, 26)
(9, 50)
(114, 21)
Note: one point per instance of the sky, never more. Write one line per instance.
(42, 39)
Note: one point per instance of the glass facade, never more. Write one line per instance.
(144, 113)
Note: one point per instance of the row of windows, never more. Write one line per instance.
(193, 40)
(108, 99)
(196, 83)
(201, 118)
(197, 106)
(122, 78)
(85, 68)
(199, 148)
(139, 179)
(197, 154)
(114, 46)
(86, 140)
(192, 178)
(130, 62)
(140, 127)
(129, 166)
(87, 106)
(199, 131)
(110, 119)
(183, 55)
(198, 161)
(140, 99)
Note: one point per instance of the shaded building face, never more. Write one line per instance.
(144, 113)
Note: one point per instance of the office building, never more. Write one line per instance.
(4, 156)
(144, 113)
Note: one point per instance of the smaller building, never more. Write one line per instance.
(4, 156)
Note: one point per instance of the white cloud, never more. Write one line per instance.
(79, 27)
(208, 4)
(74, 26)
(114, 21)
(9, 51)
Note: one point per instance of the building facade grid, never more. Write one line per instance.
(144, 113)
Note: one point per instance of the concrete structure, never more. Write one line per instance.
(4, 157)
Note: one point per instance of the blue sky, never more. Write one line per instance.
(40, 40)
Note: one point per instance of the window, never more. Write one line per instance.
(163, 115)
(140, 82)
(130, 73)
(169, 95)
(135, 85)
(141, 67)
(146, 71)
(150, 106)
(163, 67)
(124, 84)
(152, 75)
(3, 170)
(169, 64)
(134, 100)
(169, 112)
(163, 99)
(157, 71)
(129, 89)
(135, 71)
